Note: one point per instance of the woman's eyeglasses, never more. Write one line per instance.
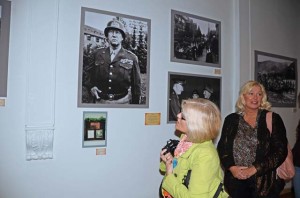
(182, 116)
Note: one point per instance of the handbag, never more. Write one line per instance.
(286, 170)
(186, 181)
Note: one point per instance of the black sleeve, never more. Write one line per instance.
(225, 144)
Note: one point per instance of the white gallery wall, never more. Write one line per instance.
(275, 29)
(43, 88)
(271, 26)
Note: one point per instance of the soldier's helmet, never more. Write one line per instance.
(117, 25)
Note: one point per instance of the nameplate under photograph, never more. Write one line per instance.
(152, 118)
(101, 151)
(2, 102)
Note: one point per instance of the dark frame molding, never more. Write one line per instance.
(4, 45)
(279, 76)
(187, 46)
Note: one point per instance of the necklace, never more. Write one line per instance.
(251, 120)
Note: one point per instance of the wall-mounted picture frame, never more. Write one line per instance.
(5, 12)
(184, 86)
(94, 129)
(114, 60)
(278, 74)
(195, 39)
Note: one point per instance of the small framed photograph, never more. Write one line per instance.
(94, 129)
(278, 74)
(195, 40)
(114, 60)
(5, 11)
(184, 86)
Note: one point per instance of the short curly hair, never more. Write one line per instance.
(240, 103)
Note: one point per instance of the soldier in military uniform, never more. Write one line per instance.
(207, 92)
(115, 76)
(175, 99)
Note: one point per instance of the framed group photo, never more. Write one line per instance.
(5, 11)
(94, 129)
(195, 39)
(114, 60)
(184, 86)
(278, 74)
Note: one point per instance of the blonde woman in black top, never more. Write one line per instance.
(248, 152)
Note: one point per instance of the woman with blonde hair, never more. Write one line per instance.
(194, 170)
(248, 151)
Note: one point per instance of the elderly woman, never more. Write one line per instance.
(195, 169)
(248, 151)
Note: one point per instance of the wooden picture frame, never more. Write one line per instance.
(128, 77)
(278, 74)
(195, 39)
(184, 86)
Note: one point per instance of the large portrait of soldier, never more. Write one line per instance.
(278, 74)
(195, 40)
(114, 60)
(5, 10)
(184, 86)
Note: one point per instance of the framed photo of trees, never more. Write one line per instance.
(114, 60)
(195, 39)
(278, 74)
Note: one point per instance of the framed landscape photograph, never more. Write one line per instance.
(195, 39)
(184, 86)
(114, 60)
(278, 74)
(94, 129)
(5, 10)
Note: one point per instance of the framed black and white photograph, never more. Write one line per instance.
(5, 10)
(114, 60)
(184, 86)
(195, 39)
(278, 74)
(94, 129)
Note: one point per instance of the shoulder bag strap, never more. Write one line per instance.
(186, 178)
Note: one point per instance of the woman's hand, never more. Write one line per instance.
(249, 172)
(238, 172)
(167, 159)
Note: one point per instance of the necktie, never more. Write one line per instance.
(112, 55)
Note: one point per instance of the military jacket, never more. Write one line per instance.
(175, 106)
(118, 76)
